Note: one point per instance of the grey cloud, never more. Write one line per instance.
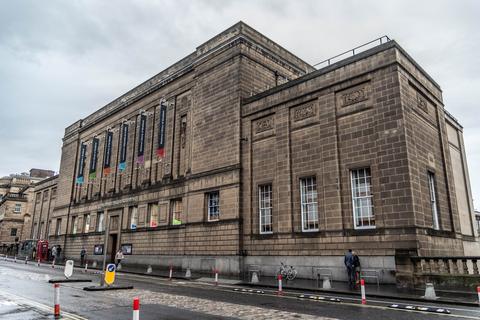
(61, 60)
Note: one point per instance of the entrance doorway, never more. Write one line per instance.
(112, 247)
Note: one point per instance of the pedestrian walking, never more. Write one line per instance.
(54, 254)
(59, 252)
(348, 260)
(356, 268)
(119, 257)
(83, 255)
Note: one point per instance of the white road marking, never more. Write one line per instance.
(40, 306)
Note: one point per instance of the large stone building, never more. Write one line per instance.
(15, 205)
(242, 153)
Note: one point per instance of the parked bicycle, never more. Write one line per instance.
(287, 272)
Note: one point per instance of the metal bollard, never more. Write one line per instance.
(38, 263)
(216, 277)
(171, 273)
(362, 284)
(280, 290)
(136, 308)
(15, 259)
(86, 267)
(53, 263)
(56, 301)
(26, 260)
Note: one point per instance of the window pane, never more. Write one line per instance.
(362, 198)
(309, 205)
(265, 208)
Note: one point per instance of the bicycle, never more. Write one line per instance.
(287, 272)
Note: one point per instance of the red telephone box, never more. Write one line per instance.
(42, 250)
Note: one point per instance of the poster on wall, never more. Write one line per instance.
(98, 249)
(127, 248)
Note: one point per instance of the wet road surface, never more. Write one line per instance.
(26, 294)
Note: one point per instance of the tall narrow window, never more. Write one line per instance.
(133, 214)
(13, 232)
(18, 208)
(86, 223)
(100, 221)
(153, 215)
(362, 199)
(265, 208)
(177, 208)
(308, 197)
(213, 200)
(433, 200)
(74, 225)
(58, 227)
(42, 229)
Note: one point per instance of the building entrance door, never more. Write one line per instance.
(112, 247)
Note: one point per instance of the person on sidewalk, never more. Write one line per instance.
(59, 252)
(54, 254)
(83, 254)
(356, 268)
(348, 260)
(119, 257)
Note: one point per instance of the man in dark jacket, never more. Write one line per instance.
(349, 263)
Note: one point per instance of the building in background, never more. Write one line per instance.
(43, 201)
(16, 192)
(243, 154)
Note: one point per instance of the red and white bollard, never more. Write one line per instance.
(171, 273)
(478, 292)
(216, 277)
(362, 288)
(56, 301)
(280, 290)
(136, 309)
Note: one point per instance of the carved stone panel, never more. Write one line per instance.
(354, 99)
(263, 124)
(304, 112)
(354, 96)
(422, 102)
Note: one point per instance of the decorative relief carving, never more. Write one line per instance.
(357, 95)
(264, 125)
(304, 112)
(422, 103)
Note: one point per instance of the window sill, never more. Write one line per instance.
(365, 228)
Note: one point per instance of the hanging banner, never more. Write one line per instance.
(108, 153)
(161, 130)
(81, 164)
(141, 138)
(92, 172)
(123, 148)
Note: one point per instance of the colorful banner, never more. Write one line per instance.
(161, 130)
(123, 147)
(108, 153)
(141, 138)
(81, 164)
(92, 172)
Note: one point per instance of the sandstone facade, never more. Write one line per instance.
(243, 154)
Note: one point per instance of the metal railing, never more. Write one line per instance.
(352, 52)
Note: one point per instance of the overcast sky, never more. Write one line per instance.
(62, 60)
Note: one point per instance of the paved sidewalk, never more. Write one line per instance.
(458, 296)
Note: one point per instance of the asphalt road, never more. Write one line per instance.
(26, 294)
